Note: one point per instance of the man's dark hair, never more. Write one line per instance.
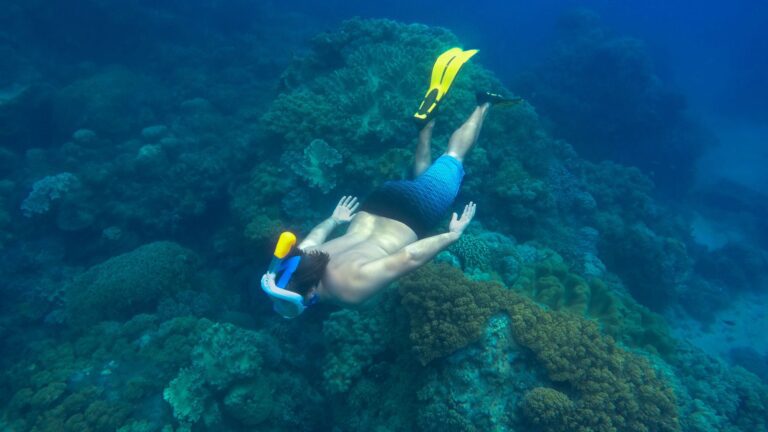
(309, 272)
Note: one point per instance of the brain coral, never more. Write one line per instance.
(129, 283)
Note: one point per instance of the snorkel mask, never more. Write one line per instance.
(287, 303)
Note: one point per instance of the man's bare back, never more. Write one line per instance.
(368, 239)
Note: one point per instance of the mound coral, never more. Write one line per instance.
(447, 312)
(130, 283)
(611, 389)
(473, 252)
(550, 282)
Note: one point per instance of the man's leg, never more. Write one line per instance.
(465, 137)
(422, 158)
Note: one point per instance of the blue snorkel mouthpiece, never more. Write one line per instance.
(287, 303)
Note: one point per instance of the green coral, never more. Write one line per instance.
(547, 408)
(187, 395)
(551, 282)
(130, 283)
(343, 92)
(226, 353)
(352, 339)
(473, 252)
(446, 311)
(613, 389)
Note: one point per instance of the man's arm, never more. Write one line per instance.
(344, 212)
(377, 274)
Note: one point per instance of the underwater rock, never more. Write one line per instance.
(130, 283)
(625, 113)
(480, 386)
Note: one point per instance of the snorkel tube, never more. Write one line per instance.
(287, 303)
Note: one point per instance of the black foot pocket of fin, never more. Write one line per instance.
(496, 99)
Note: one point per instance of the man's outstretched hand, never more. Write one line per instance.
(345, 210)
(459, 224)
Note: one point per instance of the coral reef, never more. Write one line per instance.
(612, 388)
(315, 165)
(446, 311)
(130, 283)
(352, 340)
(625, 113)
(551, 283)
(534, 323)
(47, 190)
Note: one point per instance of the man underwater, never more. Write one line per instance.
(385, 239)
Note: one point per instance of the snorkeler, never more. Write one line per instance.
(385, 239)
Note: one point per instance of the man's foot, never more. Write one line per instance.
(496, 99)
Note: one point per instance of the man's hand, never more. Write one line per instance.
(459, 224)
(345, 210)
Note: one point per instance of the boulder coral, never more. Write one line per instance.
(130, 283)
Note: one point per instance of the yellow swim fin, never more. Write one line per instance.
(444, 72)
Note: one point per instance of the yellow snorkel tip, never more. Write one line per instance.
(284, 244)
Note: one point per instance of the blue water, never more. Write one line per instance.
(615, 277)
